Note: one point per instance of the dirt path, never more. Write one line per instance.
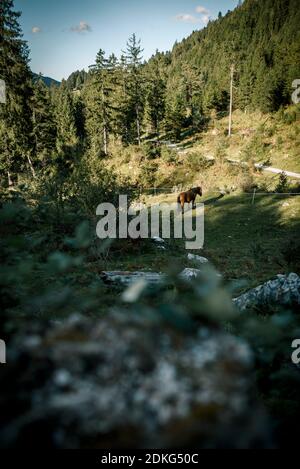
(270, 169)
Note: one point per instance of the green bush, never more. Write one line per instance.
(279, 140)
(283, 184)
(256, 150)
(151, 150)
(289, 116)
(246, 182)
(148, 174)
(169, 156)
(196, 161)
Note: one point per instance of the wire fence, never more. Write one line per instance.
(155, 191)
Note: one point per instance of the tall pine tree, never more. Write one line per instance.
(155, 97)
(135, 88)
(44, 129)
(99, 103)
(66, 132)
(15, 115)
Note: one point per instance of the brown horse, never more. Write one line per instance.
(188, 197)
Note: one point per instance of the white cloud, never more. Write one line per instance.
(82, 27)
(205, 19)
(36, 30)
(202, 10)
(202, 17)
(187, 18)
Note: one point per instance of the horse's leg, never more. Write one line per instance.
(182, 207)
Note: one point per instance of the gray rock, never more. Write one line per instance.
(189, 274)
(123, 381)
(284, 290)
(197, 259)
(151, 278)
(158, 240)
(128, 278)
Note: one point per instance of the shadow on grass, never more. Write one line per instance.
(213, 200)
(252, 241)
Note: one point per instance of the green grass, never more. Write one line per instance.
(243, 241)
(248, 241)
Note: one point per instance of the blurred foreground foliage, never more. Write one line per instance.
(50, 268)
(48, 238)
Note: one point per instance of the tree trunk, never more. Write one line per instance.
(31, 166)
(10, 181)
(231, 101)
(138, 125)
(105, 140)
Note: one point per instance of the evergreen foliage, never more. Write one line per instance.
(15, 115)
(43, 124)
(262, 40)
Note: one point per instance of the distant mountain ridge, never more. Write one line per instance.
(47, 80)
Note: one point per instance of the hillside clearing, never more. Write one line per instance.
(243, 241)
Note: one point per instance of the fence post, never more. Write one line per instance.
(253, 198)
(2, 352)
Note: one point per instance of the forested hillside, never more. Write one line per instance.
(261, 38)
(128, 99)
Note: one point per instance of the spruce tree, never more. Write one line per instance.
(155, 98)
(122, 102)
(175, 114)
(15, 117)
(44, 129)
(99, 103)
(135, 86)
(66, 134)
(191, 83)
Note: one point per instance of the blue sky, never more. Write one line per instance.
(65, 35)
